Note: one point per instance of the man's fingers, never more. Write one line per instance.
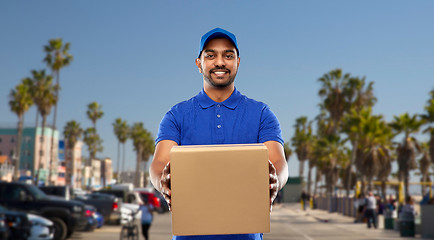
(166, 169)
(271, 167)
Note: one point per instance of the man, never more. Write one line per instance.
(219, 114)
(371, 210)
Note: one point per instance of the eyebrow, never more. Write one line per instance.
(226, 51)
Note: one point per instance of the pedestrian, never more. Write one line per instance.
(408, 211)
(219, 114)
(359, 204)
(371, 210)
(147, 217)
(305, 199)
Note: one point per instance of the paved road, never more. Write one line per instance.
(287, 222)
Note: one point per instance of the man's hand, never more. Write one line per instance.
(274, 183)
(165, 185)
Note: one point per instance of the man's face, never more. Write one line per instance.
(219, 63)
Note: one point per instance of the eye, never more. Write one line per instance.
(231, 56)
(209, 55)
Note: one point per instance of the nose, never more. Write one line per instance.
(219, 61)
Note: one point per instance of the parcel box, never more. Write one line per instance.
(220, 189)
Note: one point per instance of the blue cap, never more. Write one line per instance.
(217, 33)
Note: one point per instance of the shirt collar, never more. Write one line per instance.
(231, 102)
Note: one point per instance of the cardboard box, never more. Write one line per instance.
(220, 189)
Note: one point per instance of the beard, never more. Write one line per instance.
(207, 77)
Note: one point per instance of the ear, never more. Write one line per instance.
(199, 64)
(238, 62)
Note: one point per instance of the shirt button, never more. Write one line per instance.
(218, 105)
(218, 115)
(219, 126)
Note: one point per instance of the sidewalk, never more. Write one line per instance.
(344, 222)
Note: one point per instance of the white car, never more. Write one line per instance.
(41, 228)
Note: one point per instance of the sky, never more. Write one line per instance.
(136, 58)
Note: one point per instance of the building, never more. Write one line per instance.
(6, 169)
(94, 175)
(106, 171)
(71, 159)
(31, 154)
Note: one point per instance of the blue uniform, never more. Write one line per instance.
(202, 121)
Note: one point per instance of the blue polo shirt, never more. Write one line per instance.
(202, 121)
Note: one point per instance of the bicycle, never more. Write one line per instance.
(130, 231)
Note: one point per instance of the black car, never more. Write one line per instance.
(16, 225)
(67, 216)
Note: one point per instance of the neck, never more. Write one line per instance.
(218, 94)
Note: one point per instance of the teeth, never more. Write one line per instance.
(219, 72)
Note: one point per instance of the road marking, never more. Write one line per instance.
(302, 234)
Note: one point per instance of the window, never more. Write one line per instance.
(11, 153)
(0, 140)
(1, 153)
(12, 140)
(14, 193)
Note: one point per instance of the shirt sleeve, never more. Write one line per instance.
(169, 129)
(269, 129)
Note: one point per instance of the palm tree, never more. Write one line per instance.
(374, 147)
(428, 119)
(302, 142)
(358, 96)
(20, 102)
(121, 130)
(44, 96)
(287, 150)
(72, 133)
(141, 137)
(57, 57)
(148, 150)
(424, 164)
(332, 92)
(331, 154)
(94, 112)
(409, 147)
(93, 143)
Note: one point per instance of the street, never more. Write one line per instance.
(288, 221)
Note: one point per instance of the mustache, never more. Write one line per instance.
(219, 68)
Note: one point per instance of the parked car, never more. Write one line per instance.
(130, 200)
(67, 216)
(106, 204)
(17, 224)
(91, 222)
(61, 191)
(4, 229)
(41, 228)
(99, 219)
(150, 198)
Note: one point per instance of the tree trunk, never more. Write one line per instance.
(370, 184)
(118, 163)
(423, 190)
(309, 179)
(317, 178)
(137, 175)
(363, 187)
(73, 175)
(301, 169)
(53, 132)
(383, 189)
(123, 158)
(17, 173)
(350, 167)
(41, 151)
(431, 146)
(406, 184)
